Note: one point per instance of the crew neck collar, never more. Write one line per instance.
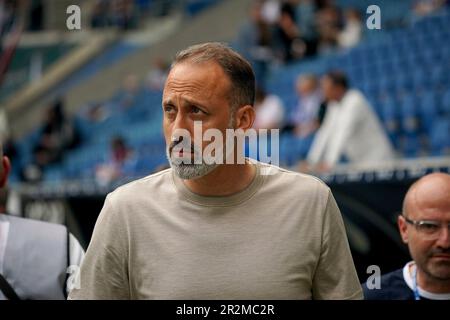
(423, 293)
(221, 201)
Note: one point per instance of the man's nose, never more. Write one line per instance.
(181, 122)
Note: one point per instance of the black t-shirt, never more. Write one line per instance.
(393, 287)
(397, 285)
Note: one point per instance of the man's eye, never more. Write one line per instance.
(169, 109)
(429, 227)
(196, 110)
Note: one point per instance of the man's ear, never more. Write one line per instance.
(403, 228)
(245, 116)
(6, 168)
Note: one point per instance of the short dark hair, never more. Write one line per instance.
(338, 78)
(238, 70)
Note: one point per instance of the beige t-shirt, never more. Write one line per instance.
(282, 237)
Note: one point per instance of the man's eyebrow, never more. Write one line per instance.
(188, 101)
(195, 103)
(167, 102)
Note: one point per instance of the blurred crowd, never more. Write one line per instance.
(123, 14)
(275, 32)
(59, 133)
(285, 31)
(119, 13)
(331, 123)
(324, 104)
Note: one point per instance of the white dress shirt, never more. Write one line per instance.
(269, 113)
(350, 129)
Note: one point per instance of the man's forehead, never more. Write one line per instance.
(431, 198)
(206, 78)
(194, 70)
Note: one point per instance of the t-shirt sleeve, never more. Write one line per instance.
(104, 272)
(335, 277)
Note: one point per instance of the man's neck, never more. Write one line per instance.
(431, 284)
(225, 180)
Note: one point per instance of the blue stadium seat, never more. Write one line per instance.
(421, 80)
(429, 107)
(387, 83)
(404, 82)
(294, 149)
(410, 146)
(439, 77)
(439, 137)
(445, 105)
(408, 114)
(389, 111)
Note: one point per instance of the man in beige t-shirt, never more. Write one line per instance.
(217, 231)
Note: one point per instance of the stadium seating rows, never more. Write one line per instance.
(404, 74)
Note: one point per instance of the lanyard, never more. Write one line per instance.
(415, 287)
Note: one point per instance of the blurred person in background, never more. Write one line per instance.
(114, 167)
(289, 44)
(157, 75)
(114, 13)
(352, 31)
(123, 14)
(36, 15)
(270, 11)
(351, 130)
(307, 116)
(97, 112)
(269, 110)
(423, 8)
(58, 134)
(305, 119)
(305, 13)
(100, 14)
(425, 227)
(329, 24)
(34, 255)
(126, 97)
(255, 41)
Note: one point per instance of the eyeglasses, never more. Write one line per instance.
(429, 229)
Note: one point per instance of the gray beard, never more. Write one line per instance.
(193, 171)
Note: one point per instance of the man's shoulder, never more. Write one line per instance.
(29, 232)
(293, 179)
(30, 223)
(147, 184)
(356, 99)
(355, 94)
(392, 287)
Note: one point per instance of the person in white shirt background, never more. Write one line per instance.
(305, 116)
(38, 260)
(269, 110)
(351, 130)
(351, 34)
